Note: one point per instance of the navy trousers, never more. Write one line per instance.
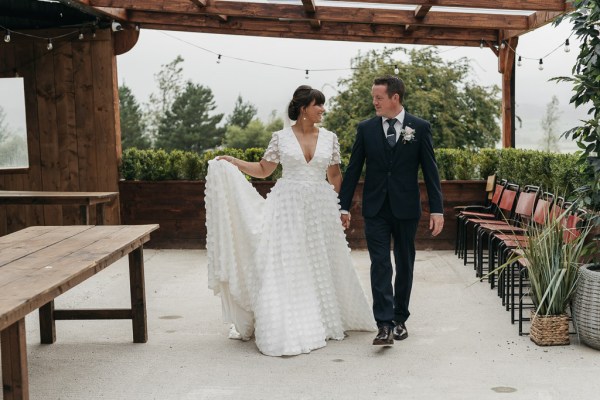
(390, 303)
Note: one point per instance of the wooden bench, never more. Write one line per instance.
(39, 263)
(82, 199)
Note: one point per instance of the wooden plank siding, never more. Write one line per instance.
(71, 106)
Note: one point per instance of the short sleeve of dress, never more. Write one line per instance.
(272, 151)
(335, 154)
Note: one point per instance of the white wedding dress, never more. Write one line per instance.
(282, 265)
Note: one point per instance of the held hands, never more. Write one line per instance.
(436, 224)
(345, 220)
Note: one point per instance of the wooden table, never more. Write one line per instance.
(82, 199)
(39, 263)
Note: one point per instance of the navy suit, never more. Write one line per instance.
(391, 207)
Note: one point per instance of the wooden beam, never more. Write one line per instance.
(506, 62)
(310, 8)
(420, 12)
(394, 32)
(200, 3)
(534, 21)
(85, 7)
(326, 13)
(529, 5)
(318, 35)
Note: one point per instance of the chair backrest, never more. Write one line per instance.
(526, 204)
(571, 225)
(489, 188)
(508, 200)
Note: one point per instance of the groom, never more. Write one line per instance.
(393, 144)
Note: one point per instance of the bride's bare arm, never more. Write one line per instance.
(334, 176)
(260, 169)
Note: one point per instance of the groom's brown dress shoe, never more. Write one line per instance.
(400, 332)
(384, 337)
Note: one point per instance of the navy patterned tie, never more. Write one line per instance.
(391, 132)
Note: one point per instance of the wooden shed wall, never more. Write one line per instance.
(73, 131)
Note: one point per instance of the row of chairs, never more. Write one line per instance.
(498, 230)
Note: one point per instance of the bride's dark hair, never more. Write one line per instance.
(303, 96)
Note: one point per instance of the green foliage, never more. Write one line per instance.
(462, 114)
(170, 86)
(487, 160)
(189, 125)
(132, 124)
(551, 171)
(242, 114)
(254, 134)
(549, 121)
(586, 88)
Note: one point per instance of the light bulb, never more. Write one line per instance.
(49, 46)
(219, 59)
(519, 63)
(94, 33)
(541, 66)
(7, 36)
(503, 44)
(137, 27)
(80, 37)
(396, 70)
(567, 48)
(481, 44)
(306, 76)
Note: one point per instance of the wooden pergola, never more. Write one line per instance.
(71, 91)
(486, 23)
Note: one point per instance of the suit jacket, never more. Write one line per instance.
(392, 172)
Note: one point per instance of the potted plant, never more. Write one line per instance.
(585, 77)
(551, 257)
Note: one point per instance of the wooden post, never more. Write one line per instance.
(47, 324)
(15, 380)
(138, 296)
(506, 66)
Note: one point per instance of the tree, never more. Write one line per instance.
(462, 114)
(242, 113)
(132, 124)
(170, 85)
(585, 78)
(189, 125)
(550, 138)
(255, 134)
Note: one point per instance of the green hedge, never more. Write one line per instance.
(548, 170)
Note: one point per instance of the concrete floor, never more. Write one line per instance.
(461, 346)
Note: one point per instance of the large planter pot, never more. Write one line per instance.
(586, 305)
(551, 330)
(178, 207)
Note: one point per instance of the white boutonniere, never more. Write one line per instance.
(408, 135)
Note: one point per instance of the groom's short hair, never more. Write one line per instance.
(394, 85)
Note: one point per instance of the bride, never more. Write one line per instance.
(282, 265)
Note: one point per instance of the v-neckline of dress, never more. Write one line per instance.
(300, 146)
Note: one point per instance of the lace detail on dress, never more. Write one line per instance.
(335, 155)
(272, 151)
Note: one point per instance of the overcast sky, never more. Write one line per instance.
(270, 87)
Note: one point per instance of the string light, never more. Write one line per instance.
(396, 70)
(137, 27)
(17, 74)
(567, 48)
(219, 59)
(519, 63)
(481, 43)
(7, 36)
(49, 46)
(80, 36)
(503, 44)
(93, 33)
(306, 75)
(541, 65)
